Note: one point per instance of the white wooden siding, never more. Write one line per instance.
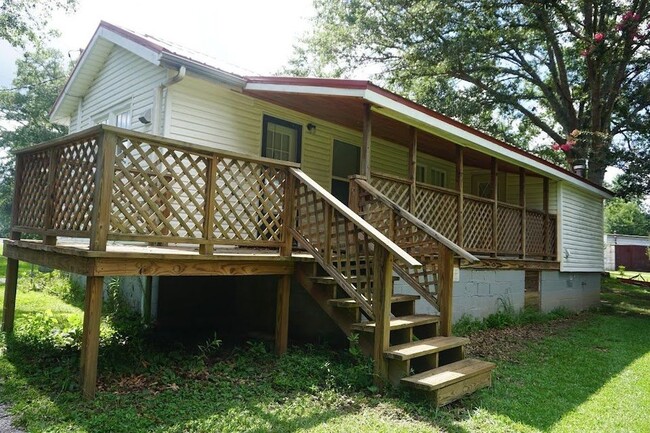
(581, 230)
(124, 79)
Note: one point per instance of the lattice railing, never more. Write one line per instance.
(145, 188)
(438, 208)
(509, 229)
(477, 224)
(345, 245)
(420, 241)
(55, 186)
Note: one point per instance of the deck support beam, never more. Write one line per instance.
(366, 141)
(522, 203)
(282, 314)
(413, 164)
(381, 303)
(459, 187)
(495, 205)
(90, 339)
(9, 307)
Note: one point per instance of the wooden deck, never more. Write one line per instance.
(129, 260)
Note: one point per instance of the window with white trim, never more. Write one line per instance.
(432, 176)
(119, 115)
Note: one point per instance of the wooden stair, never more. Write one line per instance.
(418, 356)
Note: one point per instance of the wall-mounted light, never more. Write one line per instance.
(145, 119)
(311, 128)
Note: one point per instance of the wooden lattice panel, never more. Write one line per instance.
(410, 238)
(74, 186)
(552, 232)
(396, 190)
(477, 225)
(249, 201)
(338, 244)
(158, 191)
(438, 210)
(535, 233)
(33, 189)
(508, 230)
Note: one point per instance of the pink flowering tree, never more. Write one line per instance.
(576, 71)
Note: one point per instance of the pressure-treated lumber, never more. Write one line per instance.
(282, 314)
(402, 322)
(445, 290)
(90, 338)
(424, 347)
(449, 374)
(9, 307)
(382, 291)
(351, 303)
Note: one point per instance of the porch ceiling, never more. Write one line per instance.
(347, 111)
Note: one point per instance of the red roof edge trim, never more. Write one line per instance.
(131, 36)
(318, 82)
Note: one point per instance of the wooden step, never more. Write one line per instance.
(402, 322)
(453, 381)
(351, 303)
(424, 347)
(326, 279)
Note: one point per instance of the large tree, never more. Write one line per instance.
(626, 218)
(24, 112)
(573, 71)
(24, 21)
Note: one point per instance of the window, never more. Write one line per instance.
(119, 116)
(482, 187)
(430, 175)
(281, 139)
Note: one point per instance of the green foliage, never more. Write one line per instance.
(626, 218)
(570, 70)
(40, 76)
(24, 21)
(621, 270)
(506, 316)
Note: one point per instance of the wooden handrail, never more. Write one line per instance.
(415, 221)
(363, 225)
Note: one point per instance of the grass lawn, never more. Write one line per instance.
(631, 274)
(590, 375)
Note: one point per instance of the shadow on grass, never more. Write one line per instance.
(557, 375)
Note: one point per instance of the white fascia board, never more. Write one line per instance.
(309, 90)
(479, 142)
(140, 50)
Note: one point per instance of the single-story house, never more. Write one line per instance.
(628, 251)
(351, 186)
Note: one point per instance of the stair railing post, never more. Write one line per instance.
(381, 303)
(207, 248)
(445, 289)
(288, 216)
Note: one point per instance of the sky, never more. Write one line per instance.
(254, 35)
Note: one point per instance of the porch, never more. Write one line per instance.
(111, 202)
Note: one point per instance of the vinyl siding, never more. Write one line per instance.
(581, 230)
(124, 80)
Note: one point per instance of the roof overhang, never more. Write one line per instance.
(405, 111)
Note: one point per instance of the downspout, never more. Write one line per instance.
(158, 106)
(152, 284)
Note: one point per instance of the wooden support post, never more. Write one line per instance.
(353, 194)
(146, 307)
(209, 207)
(522, 203)
(381, 302)
(547, 238)
(459, 188)
(413, 165)
(90, 339)
(495, 206)
(9, 307)
(366, 141)
(282, 314)
(445, 289)
(48, 224)
(103, 191)
(329, 220)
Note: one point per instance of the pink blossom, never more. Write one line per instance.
(566, 147)
(599, 37)
(585, 53)
(555, 146)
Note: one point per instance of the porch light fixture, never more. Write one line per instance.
(311, 128)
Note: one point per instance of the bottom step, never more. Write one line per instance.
(453, 381)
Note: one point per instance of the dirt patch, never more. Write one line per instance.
(504, 344)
